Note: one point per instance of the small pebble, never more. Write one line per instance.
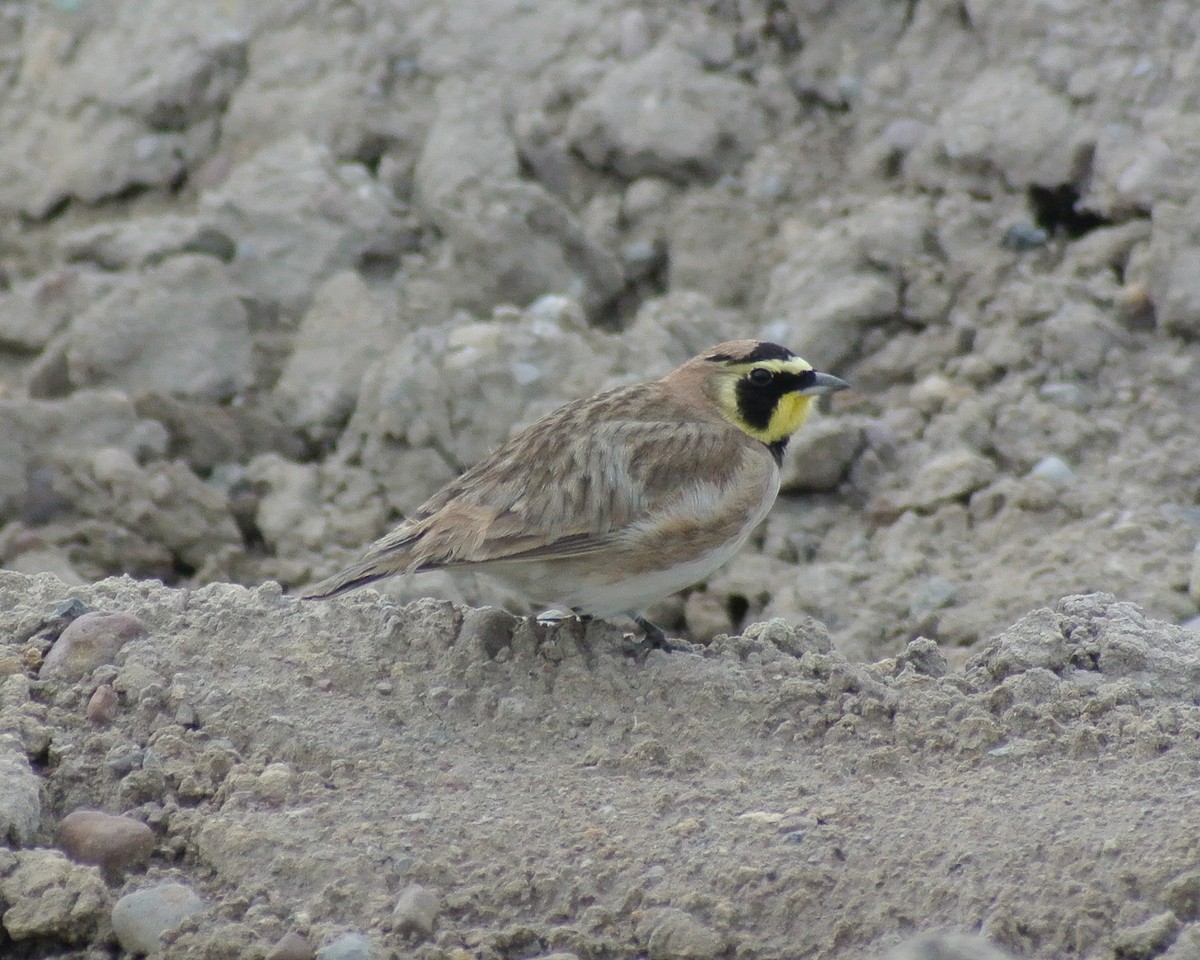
(275, 783)
(124, 757)
(925, 657)
(1054, 470)
(185, 716)
(140, 918)
(1024, 236)
(947, 945)
(644, 197)
(69, 610)
(1064, 394)
(1134, 306)
(349, 946)
(88, 642)
(678, 935)
(930, 594)
(115, 844)
(905, 134)
(103, 706)
(642, 257)
(291, 946)
(416, 910)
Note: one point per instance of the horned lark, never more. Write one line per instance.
(612, 502)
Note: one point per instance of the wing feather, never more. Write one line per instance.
(581, 497)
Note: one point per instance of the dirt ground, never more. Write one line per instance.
(271, 273)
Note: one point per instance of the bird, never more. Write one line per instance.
(611, 502)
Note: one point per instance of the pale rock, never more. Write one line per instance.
(139, 919)
(663, 115)
(291, 947)
(416, 911)
(635, 38)
(342, 332)
(276, 783)
(820, 456)
(716, 244)
(947, 945)
(1175, 292)
(41, 432)
(1004, 122)
(298, 217)
(843, 278)
(1150, 938)
(20, 794)
(950, 476)
(179, 327)
(32, 312)
(305, 73)
(145, 241)
(512, 240)
(1076, 339)
(1140, 165)
(49, 898)
(289, 513)
(677, 935)
(673, 328)
(349, 946)
(80, 122)
(46, 560)
(164, 505)
(1054, 470)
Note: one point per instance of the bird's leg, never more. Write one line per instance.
(654, 637)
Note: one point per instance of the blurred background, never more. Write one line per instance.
(272, 272)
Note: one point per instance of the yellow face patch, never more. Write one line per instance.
(771, 411)
(789, 416)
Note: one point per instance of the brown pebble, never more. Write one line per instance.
(291, 946)
(416, 911)
(103, 706)
(88, 642)
(115, 844)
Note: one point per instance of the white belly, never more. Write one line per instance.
(588, 586)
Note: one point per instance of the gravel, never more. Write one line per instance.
(277, 272)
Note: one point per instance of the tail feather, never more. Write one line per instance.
(358, 575)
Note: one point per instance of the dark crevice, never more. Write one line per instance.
(737, 607)
(782, 28)
(182, 570)
(1056, 209)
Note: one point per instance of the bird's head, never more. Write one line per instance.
(763, 388)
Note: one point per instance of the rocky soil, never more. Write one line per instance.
(271, 273)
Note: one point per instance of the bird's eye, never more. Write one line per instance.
(760, 377)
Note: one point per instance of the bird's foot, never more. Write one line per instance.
(653, 638)
(559, 624)
(552, 618)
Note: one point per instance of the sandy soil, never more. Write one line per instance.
(271, 273)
